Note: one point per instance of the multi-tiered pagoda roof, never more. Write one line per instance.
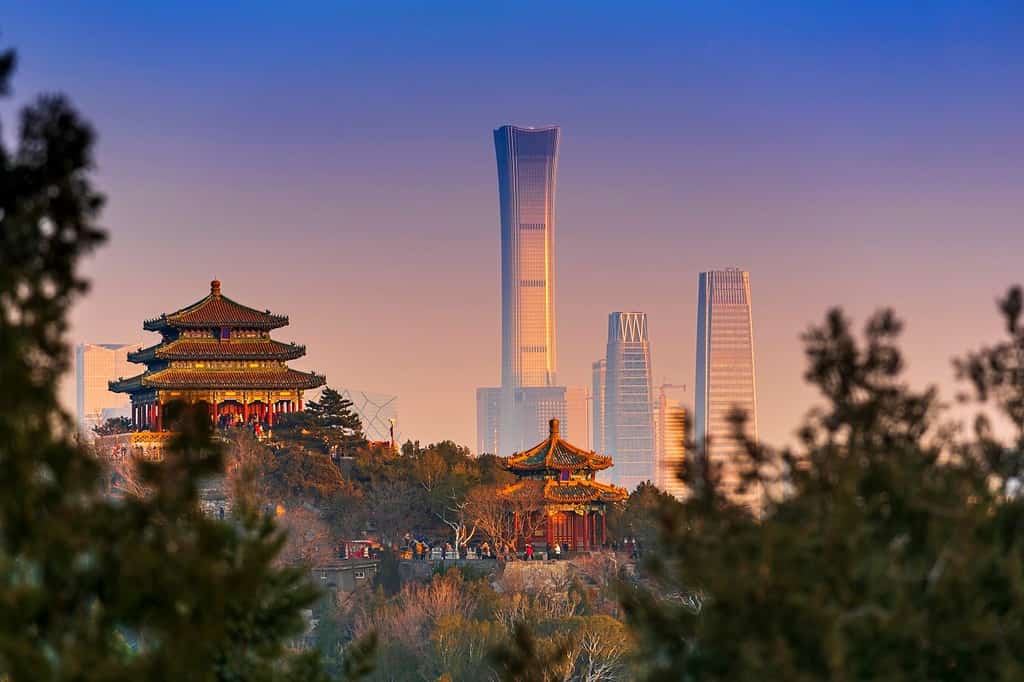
(218, 351)
(563, 472)
(560, 478)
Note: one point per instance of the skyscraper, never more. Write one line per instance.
(527, 166)
(725, 373)
(97, 364)
(597, 406)
(628, 417)
(670, 427)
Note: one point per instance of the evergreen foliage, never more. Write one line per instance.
(113, 426)
(888, 549)
(92, 588)
(329, 425)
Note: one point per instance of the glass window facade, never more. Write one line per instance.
(725, 373)
(628, 417)
(527, 161)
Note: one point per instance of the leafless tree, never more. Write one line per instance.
(456, 516)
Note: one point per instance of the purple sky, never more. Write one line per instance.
(336, 164)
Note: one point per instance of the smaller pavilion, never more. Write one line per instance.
(218, 352)
(575, 504)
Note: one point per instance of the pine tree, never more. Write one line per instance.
(889, 550)
(330, 425)
(90, 588)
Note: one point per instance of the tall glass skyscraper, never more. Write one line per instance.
(527, 167)
(628, 417)
(725, 373)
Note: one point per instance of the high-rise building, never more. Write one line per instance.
(670, 427)
(597, 406)
(628, 414)
(725, 374)
(534, 408)
(97, 364)
(527, 167)
(488, 420)
(577, 421)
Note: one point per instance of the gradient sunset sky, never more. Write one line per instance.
(334, 162)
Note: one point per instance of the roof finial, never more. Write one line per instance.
(553, 426)
(215, 287)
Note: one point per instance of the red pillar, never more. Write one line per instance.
(270, 414)
(547, 532)
(300, 404)
(159, 416)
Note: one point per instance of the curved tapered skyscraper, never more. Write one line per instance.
(527, 167)
(725, 373)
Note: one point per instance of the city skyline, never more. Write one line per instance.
(855, 163)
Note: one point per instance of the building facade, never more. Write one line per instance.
(527, 166)
(597, 405)
(726, 376)
(670, 427)
(527, 161)
(96, 365)
(577, 417)
(488, 420)
(628, 413)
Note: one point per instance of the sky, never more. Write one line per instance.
(334, 162)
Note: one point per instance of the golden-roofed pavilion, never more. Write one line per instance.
(564, 476)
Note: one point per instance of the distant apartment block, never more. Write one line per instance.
(725, 374)
(96, 364)
(628, 413)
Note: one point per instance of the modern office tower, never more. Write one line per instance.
(597, 406)
(527, 166)
(628, 414)
(670, 427)
(577, 422)
(534, 408)
(96, 364)
(488, 420)
(725, 374)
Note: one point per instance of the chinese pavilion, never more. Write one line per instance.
(219, 352)
(563, 476)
